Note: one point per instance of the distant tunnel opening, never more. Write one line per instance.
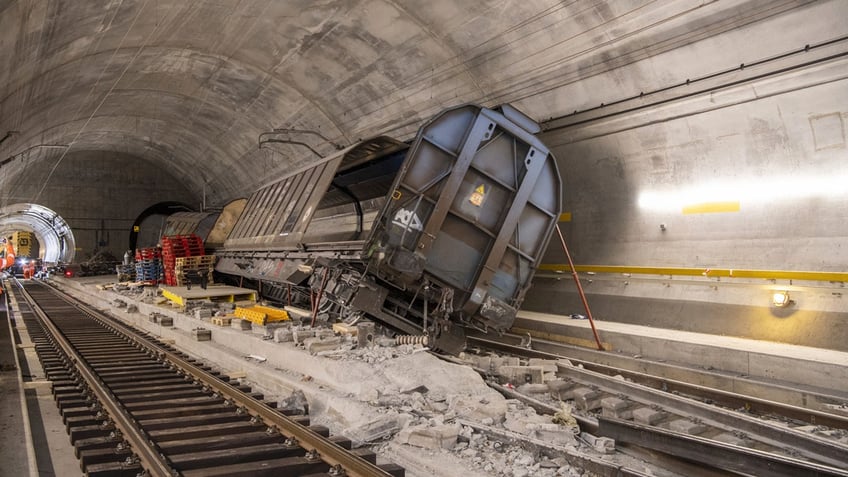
(52, 234)
(148, 226)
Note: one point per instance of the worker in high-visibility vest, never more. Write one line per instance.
(29, 269)
(7, 257)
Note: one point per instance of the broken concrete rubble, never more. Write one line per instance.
(604, 445)
(283, 335)
(521, 374)
(587, 399)
(561, 389)
(317, 345)
(524, 420)
(430, 437)
(478, 408)
(383, 427)
(402, 397)
(295, 404)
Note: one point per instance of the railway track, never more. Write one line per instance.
(134, 405)
(725, 431)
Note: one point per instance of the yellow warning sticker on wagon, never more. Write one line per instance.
(477, 196)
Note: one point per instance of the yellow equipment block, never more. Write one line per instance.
(261, 315)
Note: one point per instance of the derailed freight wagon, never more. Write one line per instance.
(427, 237)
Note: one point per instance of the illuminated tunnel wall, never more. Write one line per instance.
(53, 233)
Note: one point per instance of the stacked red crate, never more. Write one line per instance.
(176, 246)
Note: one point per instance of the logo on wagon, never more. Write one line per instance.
(408, 220)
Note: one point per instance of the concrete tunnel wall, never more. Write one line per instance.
(769, 160)
(99, 194)
(782, 159)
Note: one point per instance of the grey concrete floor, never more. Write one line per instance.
(13, 449)
(33, 440)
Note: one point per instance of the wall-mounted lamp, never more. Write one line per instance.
(781, 299)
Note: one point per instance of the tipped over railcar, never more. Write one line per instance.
(426, 237)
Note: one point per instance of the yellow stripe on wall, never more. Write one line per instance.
(706, 272)
(711, 208)
(565, 217)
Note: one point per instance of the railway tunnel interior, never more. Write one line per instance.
(676, 172)
(701, 145)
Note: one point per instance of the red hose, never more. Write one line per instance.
(579, 288)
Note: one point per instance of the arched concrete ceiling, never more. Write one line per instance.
(189, 85)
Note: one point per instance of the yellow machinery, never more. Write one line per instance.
(25, 244)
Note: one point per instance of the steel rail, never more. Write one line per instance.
(713, 453)
(149, 457)
(718, 396)
(809, 446)
(320, 447)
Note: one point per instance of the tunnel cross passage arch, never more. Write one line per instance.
(53, 233)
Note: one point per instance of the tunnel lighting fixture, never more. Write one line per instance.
(750, 191)
(780, 299)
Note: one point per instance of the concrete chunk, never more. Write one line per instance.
(241, 324)
(601, 444)
(549, 368)
(201, 313)
(492, 363)
(437, 437)
(317, 345)
(550, 432)
(561, 389)
(479, 408)
(521, 374)
(295, 404)
(646, 415)
(616, 407)
(283, 335)
(687, 427)
(587, 399)
(547, 365)
(376, 430)
(301, 335)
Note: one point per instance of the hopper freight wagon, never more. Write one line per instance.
(427, 237)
